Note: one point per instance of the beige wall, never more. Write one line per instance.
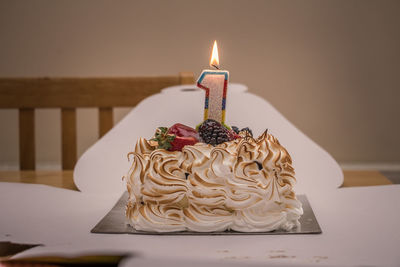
(331, 67)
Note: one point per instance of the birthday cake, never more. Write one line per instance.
(211, 179)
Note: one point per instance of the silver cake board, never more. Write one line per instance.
(115, 222)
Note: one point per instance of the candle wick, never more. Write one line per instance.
(215, 66)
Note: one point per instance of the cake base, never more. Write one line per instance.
(115, 222)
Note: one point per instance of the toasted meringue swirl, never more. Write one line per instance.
(244, 185)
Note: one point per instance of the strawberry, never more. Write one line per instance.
(179, 142)
(176, 137)
(182, 130)
(162, 138)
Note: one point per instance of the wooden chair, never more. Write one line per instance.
(26, 94)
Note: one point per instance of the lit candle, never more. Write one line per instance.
(215, 82)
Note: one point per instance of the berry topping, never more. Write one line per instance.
(213, 132)
(247, 129)
(179, 142)
(233, 135)
(179, 129)
(235, 129)
(163, 139)
(176, 137)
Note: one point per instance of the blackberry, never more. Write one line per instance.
(213, 133)
(248, 130)
(235, 129)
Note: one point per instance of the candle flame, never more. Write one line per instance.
(214, 62)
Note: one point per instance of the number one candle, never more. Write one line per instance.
(215, 82)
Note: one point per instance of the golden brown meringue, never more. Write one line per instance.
(243, 185)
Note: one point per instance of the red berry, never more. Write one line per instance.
(179, 142)
(232, 135)
(179, 129)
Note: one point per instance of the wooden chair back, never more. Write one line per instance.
(26, 94)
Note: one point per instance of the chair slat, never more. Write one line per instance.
(27, 138)
(68, 132)
(106, 120)
(80, 92)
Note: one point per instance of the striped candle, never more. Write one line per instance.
(215, 83)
